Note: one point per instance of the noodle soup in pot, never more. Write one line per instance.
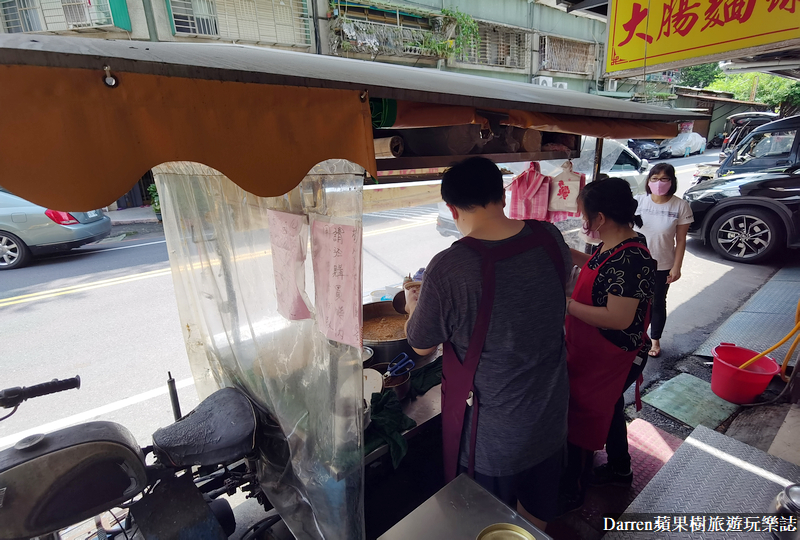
(384, 332)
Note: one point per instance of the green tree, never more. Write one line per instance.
(770, 89)
(700, 76)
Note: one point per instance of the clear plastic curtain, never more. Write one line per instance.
(249, 302)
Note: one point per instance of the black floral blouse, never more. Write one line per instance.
(630, 273)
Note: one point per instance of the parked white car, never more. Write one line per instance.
(684, 145)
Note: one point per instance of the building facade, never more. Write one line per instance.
(537, 42)
(276, 23)
(526, 41)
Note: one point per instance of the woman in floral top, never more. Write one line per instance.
(607, 318)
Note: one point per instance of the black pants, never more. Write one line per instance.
(617, 440)
(577, 471)
(579, 460)
(536, 489)
(658, 317)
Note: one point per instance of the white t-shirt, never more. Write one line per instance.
(660, 222)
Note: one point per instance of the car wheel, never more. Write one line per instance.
(747, 234)
(13, 252)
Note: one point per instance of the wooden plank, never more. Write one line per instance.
(757, 426)
(423, 162)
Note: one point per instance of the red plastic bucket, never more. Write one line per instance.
(737, 385)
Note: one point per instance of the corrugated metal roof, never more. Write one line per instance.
(251, 64)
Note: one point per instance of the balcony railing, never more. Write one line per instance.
(63, 15)
(350, 35)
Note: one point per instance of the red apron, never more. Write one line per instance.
(597, 369)
(457, 377)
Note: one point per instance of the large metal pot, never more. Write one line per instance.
(385, 351)
(787, 506)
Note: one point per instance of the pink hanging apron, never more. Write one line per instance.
(597, 369)
(458, 390)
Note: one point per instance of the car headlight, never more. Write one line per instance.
(713, 194)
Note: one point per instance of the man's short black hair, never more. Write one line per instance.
(473, 182)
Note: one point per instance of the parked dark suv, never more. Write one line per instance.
(748, 217)
(769, 146)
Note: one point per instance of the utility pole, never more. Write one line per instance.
(754, 89)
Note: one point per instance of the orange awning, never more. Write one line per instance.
(72, 143)
(263, 117)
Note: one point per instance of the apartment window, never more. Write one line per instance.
(197, 17)
(62, 15)
(78, 13)
(20, 16)
(273, 22)
(566, 55)
(499, 47)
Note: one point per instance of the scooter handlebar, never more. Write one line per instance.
(12, 397)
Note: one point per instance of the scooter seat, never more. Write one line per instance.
(220, 430)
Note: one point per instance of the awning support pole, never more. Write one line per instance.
(598, 158)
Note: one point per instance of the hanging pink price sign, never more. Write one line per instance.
(336, 255)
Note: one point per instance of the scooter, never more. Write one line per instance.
(51, 481)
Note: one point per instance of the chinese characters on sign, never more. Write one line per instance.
(336, 252)
(660, 31)
(289, 237)
(702, 523)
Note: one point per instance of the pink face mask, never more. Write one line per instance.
(660, 188)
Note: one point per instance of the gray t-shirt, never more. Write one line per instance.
(521, 382)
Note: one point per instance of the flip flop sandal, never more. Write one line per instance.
(653, 354)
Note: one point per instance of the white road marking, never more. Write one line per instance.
(407, 214)
(93, 413)
(88, 252)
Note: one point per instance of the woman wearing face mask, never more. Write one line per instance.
(666, 219)
(606, 324)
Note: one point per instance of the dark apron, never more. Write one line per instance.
(457, 377)
(597, 368)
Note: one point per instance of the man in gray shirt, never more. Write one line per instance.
(518, 372)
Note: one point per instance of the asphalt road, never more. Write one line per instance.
(108, 312)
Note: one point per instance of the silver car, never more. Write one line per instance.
(27, 230)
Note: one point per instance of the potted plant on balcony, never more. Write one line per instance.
(155, 203)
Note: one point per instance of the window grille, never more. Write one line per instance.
(393, 17)
(54, 15)
(76, 13)
(566, 55)
(196, 17)
(276, 22)
(20, 16)
(499, 47)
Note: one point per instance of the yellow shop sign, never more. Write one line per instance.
(655, 32)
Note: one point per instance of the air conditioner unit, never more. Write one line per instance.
(543, 81)
(611, 85)
(562, 85)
